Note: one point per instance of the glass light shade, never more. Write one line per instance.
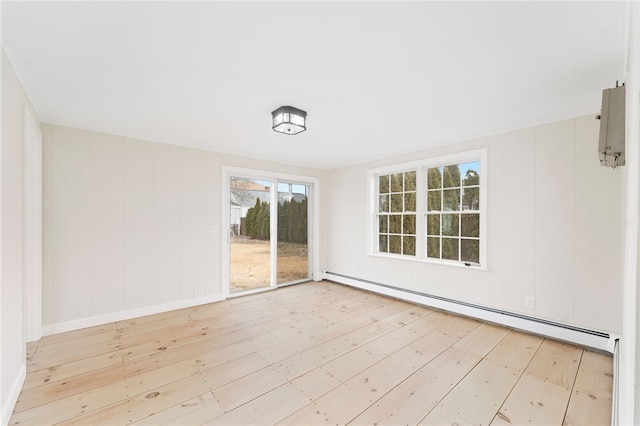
(289, 120)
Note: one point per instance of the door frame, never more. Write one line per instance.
(32, 228)
(313, 201)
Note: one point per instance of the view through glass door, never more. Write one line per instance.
(268, 242)
(293, 223)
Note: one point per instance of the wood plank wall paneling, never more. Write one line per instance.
(553, 228)
(71, 245)
(167, 222)
(598, 225)
(555, 221)
(107, 224)
(314, 353)
(518, 187)
(138, 224)
(127, 225)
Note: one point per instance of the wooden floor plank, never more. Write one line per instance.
(346, 342)
(197, 417)
(63, 388)
(98, 398)
(556, 362)
(407, 316)
(584, 410)
(441, 416)
(369, 354)
(68, 351)
(118, 370)
(516, 350)
(327, 308)
(76, 334)
(482, 340)
(186, 413)
(414, 398)
(70, 407)
(316, 383)
(72, 368)
(146, 404)
(292, 367)
(267, 409)
(305, 340)
(542, 393)
(595, 375)
(149, 346)
(534, 401)
(370, 385)
(480, 394)
(261, 382)
(144, 398)
(478, 397)
(592, 393)
(310, 353)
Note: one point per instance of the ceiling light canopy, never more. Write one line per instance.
(289, 120)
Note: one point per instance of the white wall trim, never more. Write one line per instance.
(628, 401)
(9, 402)
(571, 334)
(32, 228)
(615, 394)
(62, 327)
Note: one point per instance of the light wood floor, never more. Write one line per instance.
(314, 353)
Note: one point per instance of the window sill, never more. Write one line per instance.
(429, 261)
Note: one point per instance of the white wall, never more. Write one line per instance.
(127, 226)
(554, 228)
(12, 358)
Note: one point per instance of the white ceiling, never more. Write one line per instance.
(377, 78)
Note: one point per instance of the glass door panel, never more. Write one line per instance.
(249, 240)
(292, 245)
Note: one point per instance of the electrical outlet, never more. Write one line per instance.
(199, 292)
(416, 279)
(529, 302)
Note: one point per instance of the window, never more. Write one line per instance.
(397, 213)
(432, 210)
(453, 212)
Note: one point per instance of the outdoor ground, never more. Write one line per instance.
(250, 263)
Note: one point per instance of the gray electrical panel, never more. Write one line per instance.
(611, 145)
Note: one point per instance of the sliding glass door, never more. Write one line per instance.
(249, 234)
(268, 233)
(293, 233)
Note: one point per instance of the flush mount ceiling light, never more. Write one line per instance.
(289, 120)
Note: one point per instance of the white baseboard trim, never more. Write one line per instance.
(12, 397)
(62, 327)
(590, 338)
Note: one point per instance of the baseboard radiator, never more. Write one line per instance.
(581, 336)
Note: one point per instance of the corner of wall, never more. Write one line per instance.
(10, 400)
(15, 99)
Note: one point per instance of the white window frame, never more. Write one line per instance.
(421, 167)
(402, 213)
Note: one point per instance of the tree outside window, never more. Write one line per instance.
(397, 213)
(453, 212)
(432, 209)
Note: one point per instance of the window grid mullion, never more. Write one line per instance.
(440, 210)
(406, 192)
